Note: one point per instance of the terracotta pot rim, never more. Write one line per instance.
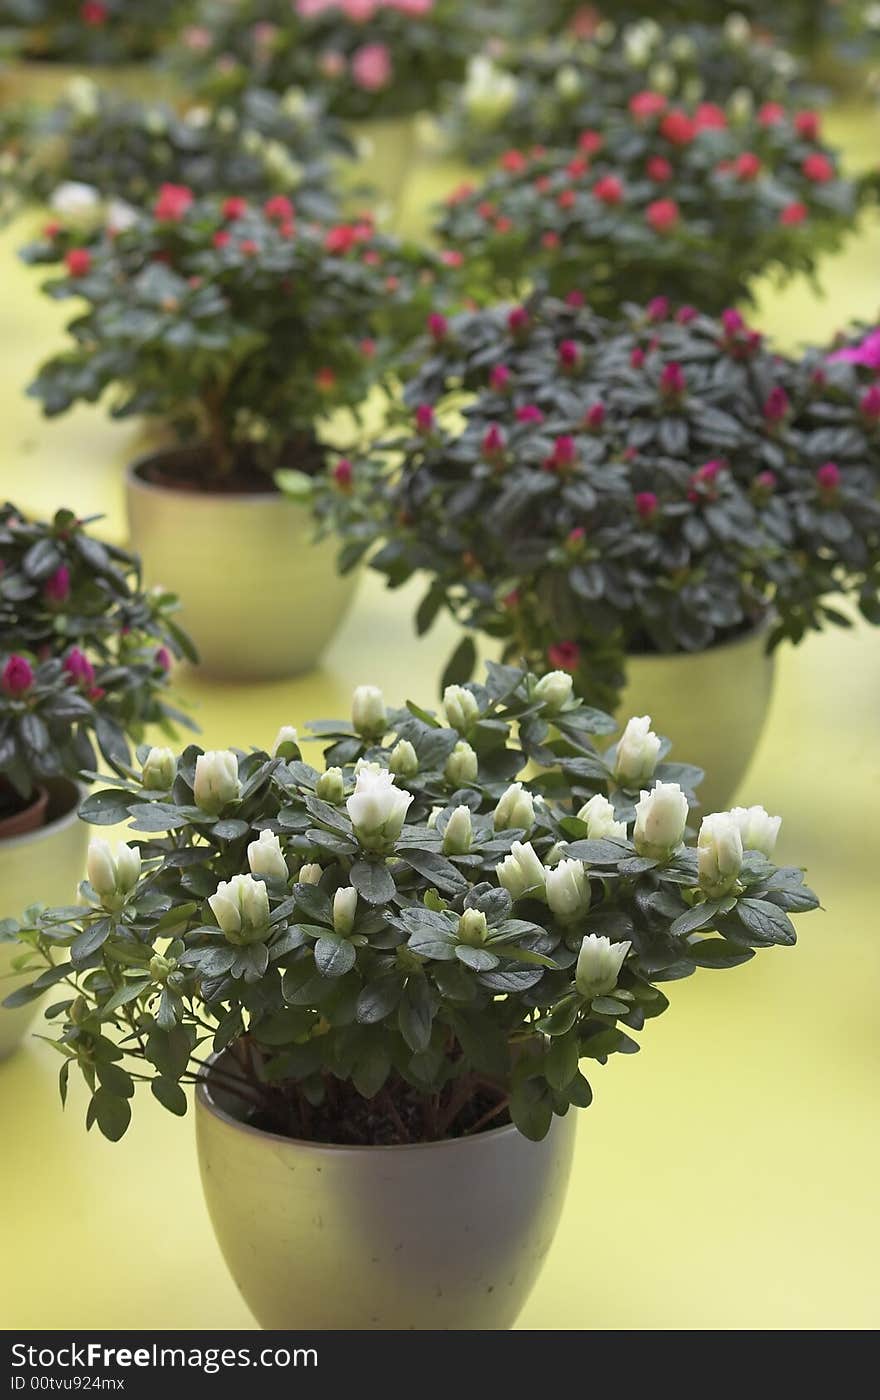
(60, 789)
(743, 640)
(206, 1102)
(136, 482)
(38, 806)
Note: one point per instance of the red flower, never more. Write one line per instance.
(94, 14)
(576, 536)
(172, 203)
(807, 124)
(678, 128)
(343, 473)
(486, 209)
(818, 168)
(794, 213)
(503, 224)
(672, 381)
(710, 117)
(662, 215)
(529, 413)
(659, 169)
(590, 142)
(564, 656)
(514, 162)
(707, 472)
(78, 262)
(234, 207)
(609, 190)
(279, 207)
(646, 504)
(645, 105)
(747, 166)
(518, 321)
(340, 239)
(577, 167)
(222, 238)
(325, 380)
(438, 327)
(17, 677)
(777, 405)
(567, 199)
(771, 114)
(460, 194)
(79, 668)
(52, 229)
(424, 418)
(657, 309)
(828, 477)
(595, 416)
(569, 354)
(57, 587)
(500, 377)
(550, 240)
(451, 257)
(869, 406)
(248, 247)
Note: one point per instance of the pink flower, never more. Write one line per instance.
(818, 168)
(198, 39)
(637, 358)
(514, 162)
(424, 418)
(659, 170)
(590, 142)
(161, 658)
(360, 11)
(645, 105)
(576, 299)
(493, 443)
(869, 406)
(646, 504)
(222, 238)
(279, 208)
(771, 114)
(234, 207)
(17, 677)
(172, 202)
(518, 321)
(563, 456)
(866, 353)
(657, 309)
(529, 413)
(576, 537)
(710, 117)
(57, 588)
(685, 314)
(79, 668)
(732, 321)
(662, 215)
(371, 67)
(564, 656)
(94, 14)
(777, 405)
(500, 377)
(78, 262)
(678, 128)
(794, 213)
(807, 124)
(569, 354)
(708, 472)
(340, 239)
(765, 483)
(747, 166)
(828, 477)
(595, 416)
(608, 190)
(672, 380)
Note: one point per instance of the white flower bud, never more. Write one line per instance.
(159, 770)
(637, 752)
(661, 817)
(598, 965)
(568, 891)
(459, 833)
(472, 927)
(461, 708)
(639, 41)
(377, 809)
(741, 104)
(521, 873)
(368, 712)
(113, 873)
(330, 787)
(310, 874)
(662, 77)
(121, 215)
(682, 48)
(719, 853)
(241, 908)
(488, 93)
(432, 817)
(568, 82)
(759, 831)
(83, 95)
(737, 30)
(555, 854)
(265, 857)
(403, 761)
(73, 199)
(554, 690)
(598, 813)
(286, 737)
(344, 909)
(462, 765)
(227, 120)
(515, 810)
(216, 782)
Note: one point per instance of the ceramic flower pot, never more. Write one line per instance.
(386, 153)
(42, 866)
(438, 1236)
(260, 598)
(44, 83)
(711, 704)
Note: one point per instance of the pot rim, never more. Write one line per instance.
(208, 1104)
(136, 482)
(67, 819)
(743, 640)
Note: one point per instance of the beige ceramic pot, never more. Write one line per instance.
(437, 1236)
(260, 598)
(42, 867)
(711, 704)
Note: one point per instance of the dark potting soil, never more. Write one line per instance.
(352, 1121)
(192, 469)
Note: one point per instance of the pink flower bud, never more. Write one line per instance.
(564, 656)
(646, 504)
(732, 321)
(500, 377)
(685, 314)
(518, 320)
(438, 327)
(343, 473)
(493, 444)
(57, 588)
(595, 416)
(79, 668)
(828, 477)
(17, 677)
(672, 380)
(424, 417)
(162, 657)
(777, 405)
(529, 413)
(569, 354)
(657, 309)
(869, 405)
(637, 358)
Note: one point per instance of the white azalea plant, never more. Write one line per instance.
(427, 936)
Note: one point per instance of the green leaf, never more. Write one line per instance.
(531, 1108)
(415, 1014)
(334, 956)
(460, 666)
(372, 1068)
(767, 922)
(480, 959)
(112, 1114)
(106, 808)
(373, 881)
(717, 952)
(698, 917)
(561, 1060)
(89, 941)
(379, 998)
(170, 1095)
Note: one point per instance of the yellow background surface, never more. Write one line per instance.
(727, 1177)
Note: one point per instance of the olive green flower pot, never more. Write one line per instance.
(260, 598)
(44, 83)
(43, 866)
(436, 1236)
(712, 705)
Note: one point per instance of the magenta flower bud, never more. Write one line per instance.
(518, 320)
(732, 321)
(500, 377)
(565, 451)
(708, 471)
(17, 677)
(57, 587)
(657, 309)
(162, 659)
(569, 354)
(828, 477)
(637, 358)
(424, 417)
(672, 380)
(493, 442)
(646, 505)
(529, 413)
(438, 327)
(765, 482)
(869, 406)
(685, 314)
(79, 668)
(595, 416)
(777, 405)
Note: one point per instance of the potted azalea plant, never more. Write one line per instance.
(243, 331)
(650, 505)
(97, 153)
(659, 193)
(377, 63)
(387, 976)
(547, 94)
(84, 662)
